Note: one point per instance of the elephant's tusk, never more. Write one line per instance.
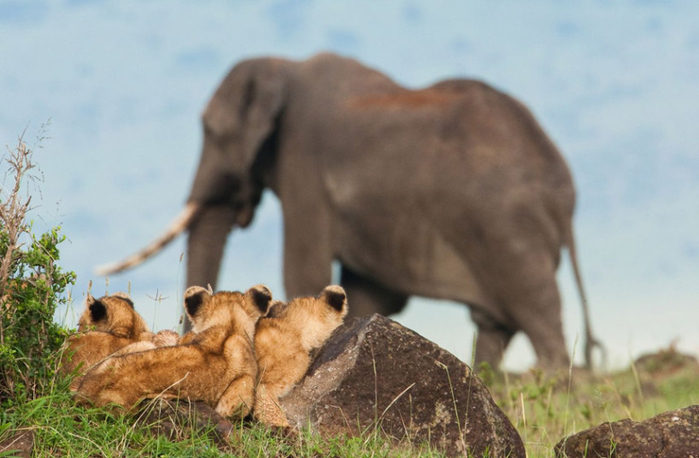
(181, 222)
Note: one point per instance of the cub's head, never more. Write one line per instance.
(318, 316)
(241, 311)
(114, 314)
(276, 308)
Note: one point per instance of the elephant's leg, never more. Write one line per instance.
(307, 258)
(525, 285)
(538, 314)
(492, 341)
(366, 297)
(518, 271)
(207, 239)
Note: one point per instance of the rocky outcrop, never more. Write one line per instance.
(375, 374)
(668, 435)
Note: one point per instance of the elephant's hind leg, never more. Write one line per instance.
(366, 297)
(538, 315)
(521, 276)
(529, 296)
(492, 341)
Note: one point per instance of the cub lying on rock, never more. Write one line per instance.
(214, 363)
(283, 344)
(107, 325)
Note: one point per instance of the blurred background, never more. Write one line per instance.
(109, 95)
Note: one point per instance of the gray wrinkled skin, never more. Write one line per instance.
(452, 192)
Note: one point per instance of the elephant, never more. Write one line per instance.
(451, 191)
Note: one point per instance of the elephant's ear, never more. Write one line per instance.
(240, 116)
(263, 101)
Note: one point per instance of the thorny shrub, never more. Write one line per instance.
(32, 286)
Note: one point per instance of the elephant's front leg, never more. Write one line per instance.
(307, 255)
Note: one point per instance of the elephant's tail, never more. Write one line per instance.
(590, 340)
(180, 223)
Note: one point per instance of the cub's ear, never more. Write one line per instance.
(89, 301)
(276, 308)
(98, 311)
(194, 298)
(261, 297)
(125, 297)
(335, 297)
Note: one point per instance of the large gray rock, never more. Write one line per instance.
(668, 435)
(375, 373)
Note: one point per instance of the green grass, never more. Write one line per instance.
(62, 428)
(544, 409)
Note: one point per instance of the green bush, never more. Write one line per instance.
(32, 285)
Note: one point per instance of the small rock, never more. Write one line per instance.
(668, 435)
(178, 419)
(375, 373)
(666, 362)
(21, 443)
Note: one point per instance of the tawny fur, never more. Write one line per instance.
(108, 325)
(283, 344)
(214, 363)
(166, 338)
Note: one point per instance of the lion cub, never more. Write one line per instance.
(107, 325)
(214, 363)
(284, 341)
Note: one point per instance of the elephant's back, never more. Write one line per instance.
(337, 77)
(499, 140)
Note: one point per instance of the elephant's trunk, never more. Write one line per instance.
(181, 222)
